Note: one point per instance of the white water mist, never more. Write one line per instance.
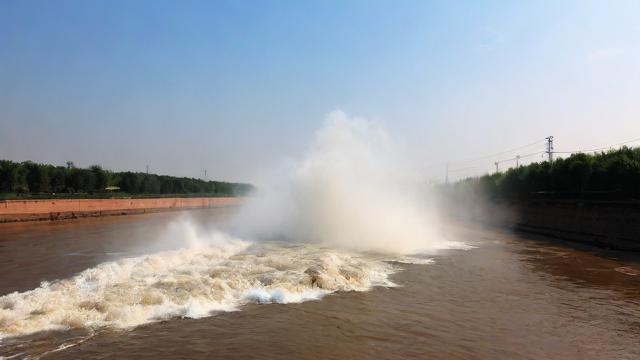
(353, 188)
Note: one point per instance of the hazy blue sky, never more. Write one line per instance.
(235, 86)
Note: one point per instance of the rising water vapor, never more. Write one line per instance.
(354, 188)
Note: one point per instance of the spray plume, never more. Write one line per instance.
(353, 189)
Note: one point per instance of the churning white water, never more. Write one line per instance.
(352, 195)
(220, 274)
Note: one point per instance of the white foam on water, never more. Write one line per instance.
(412, 260)
(190, 283)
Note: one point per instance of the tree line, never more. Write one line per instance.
(609, 175)
(29, 178)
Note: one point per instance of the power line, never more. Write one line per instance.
(549, 150)
(486, 157)
(518, 157)
(548, 141)
(537, 142)
(448, 168)
(597, 149)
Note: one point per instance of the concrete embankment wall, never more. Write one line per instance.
(608, 224)
(602, 223)
(26, 210)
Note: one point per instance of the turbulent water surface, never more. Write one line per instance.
(116, 287)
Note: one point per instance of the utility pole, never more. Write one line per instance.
(446, 176)
(550, 147)
(517, 161)
(497, 171)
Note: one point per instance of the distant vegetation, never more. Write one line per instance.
(611, 175)
(31, 180)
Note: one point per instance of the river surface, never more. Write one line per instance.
(120, 287)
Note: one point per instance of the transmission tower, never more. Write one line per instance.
(550, 147)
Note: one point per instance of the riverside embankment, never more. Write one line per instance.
(607, 224)
(54, 209)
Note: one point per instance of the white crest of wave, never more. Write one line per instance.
(353, 189)
(217, 273)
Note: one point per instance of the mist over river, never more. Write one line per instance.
(503, 296)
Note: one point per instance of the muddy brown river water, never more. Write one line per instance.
(511, 296)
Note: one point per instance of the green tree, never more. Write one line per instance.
(101, 178)
(57, 179)
(150, 184)
(40, 178)
(130, 182)
(37, 177)
(81, 180)
(6, 169)
(19, 179)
